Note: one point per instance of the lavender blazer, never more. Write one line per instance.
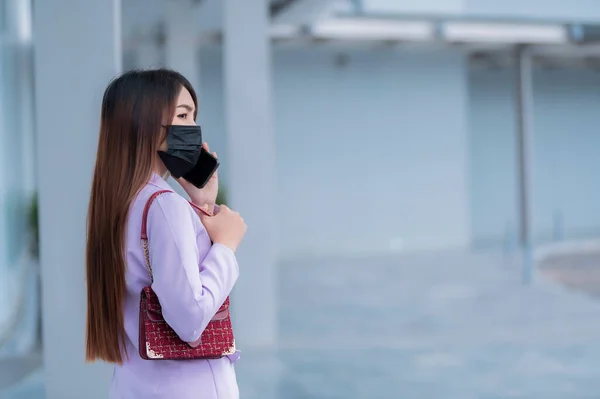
(192, 278)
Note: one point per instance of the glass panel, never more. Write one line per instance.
(17, 182)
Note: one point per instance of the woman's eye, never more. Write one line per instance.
(182, 116)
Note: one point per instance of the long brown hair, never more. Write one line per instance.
(135, 108)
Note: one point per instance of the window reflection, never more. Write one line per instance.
(18, 222)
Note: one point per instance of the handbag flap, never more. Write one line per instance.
(154, 309)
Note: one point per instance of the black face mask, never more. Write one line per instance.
(184, 145)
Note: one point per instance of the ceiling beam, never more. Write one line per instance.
(306, 12)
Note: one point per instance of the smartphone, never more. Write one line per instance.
(206, 166)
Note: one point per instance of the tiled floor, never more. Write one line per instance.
(430, 326)
(436, 326)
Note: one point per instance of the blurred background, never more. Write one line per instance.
(419, 179)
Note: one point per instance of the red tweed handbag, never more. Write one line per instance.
(157, 340)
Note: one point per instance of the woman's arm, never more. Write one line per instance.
(189, 299)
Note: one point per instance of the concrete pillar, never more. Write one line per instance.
(251, 160)
(525, 151)
(148, 54)
(181, 49)
(181, 46)
(77, 51)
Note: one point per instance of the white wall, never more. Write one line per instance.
(410, 102)
(370, 156)
(493, 156)
(568, 148)
(566, 160)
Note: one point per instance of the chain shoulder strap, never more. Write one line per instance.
(144, 232)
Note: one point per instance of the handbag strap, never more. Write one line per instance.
(144, 232)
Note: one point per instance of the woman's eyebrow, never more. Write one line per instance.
(187, 107)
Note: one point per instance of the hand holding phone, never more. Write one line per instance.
(206, 166)
(203, 184)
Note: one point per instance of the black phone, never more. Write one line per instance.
(203, 170)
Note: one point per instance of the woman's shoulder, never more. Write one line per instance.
(168, 212)
(166, 199)
(168, 209)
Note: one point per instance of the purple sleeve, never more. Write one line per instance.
(189, 296)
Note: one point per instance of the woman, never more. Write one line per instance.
(193, 262)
